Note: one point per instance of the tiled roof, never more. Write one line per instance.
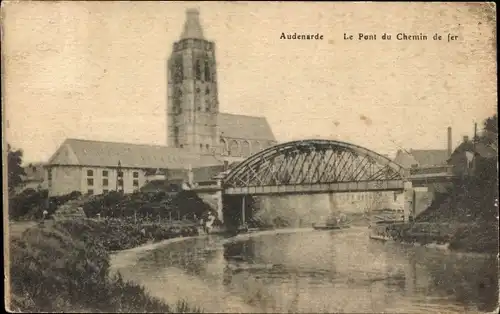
(404, 159)
(480, 148)
(34, 172)
(245, 127)
(422, 158)
(430, 157)
(108, 154)
(206, 173)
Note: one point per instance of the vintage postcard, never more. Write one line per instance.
(250, 157)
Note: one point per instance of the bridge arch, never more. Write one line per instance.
(313, 161)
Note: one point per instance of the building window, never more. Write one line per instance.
(105, 182)
(90, 182)
(49, 177)
(198, 70)
(90, 173)
(135, 183)
(135, 174)
(105, 191)
(90, 192)
(207, 71)
(105, 173)
(207, 146)
(120, 182)
(207, 91)
(176, 136)
(201, 146)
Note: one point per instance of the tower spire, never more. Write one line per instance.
(192, 27)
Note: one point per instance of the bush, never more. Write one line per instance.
(64, 266)
(27, 204)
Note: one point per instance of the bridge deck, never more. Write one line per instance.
(367, 186)
(394, 185)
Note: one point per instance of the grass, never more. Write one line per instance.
(64, 267)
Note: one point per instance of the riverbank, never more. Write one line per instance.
(64, 266)
(472, 237)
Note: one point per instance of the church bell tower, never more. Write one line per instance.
(192, 105)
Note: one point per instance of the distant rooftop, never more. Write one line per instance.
(110, 154)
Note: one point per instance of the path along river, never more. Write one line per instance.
(312, 271)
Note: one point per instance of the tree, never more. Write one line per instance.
(15, 170)
(489, 135)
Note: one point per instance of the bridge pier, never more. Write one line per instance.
(409, 205)
(243, 210)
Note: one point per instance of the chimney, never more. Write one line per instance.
(449, 142)
(466, 138)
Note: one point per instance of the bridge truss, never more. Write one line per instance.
(314, 166)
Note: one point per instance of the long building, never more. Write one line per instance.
(198, 134)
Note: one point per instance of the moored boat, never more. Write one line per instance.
(333, 223)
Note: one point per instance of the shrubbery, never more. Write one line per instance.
(144, 205)
(64, 266)
(30, 204)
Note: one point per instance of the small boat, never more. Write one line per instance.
(379, 237)
(333, 224)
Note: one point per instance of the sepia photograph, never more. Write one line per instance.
(250, 157)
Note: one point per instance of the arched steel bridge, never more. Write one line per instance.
(315, 166)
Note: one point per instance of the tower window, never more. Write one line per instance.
(178, 70)
(178, 101)
(207, 91)
(198, 70)
(207, 70)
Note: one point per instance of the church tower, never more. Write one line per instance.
(192, 105)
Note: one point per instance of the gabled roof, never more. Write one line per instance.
(421, 158)
(34, 172)
(430, 157)
(404, 159)
(480, 148)
(206, 173)
(109, 154)
(244, 127)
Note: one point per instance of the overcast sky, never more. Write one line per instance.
(96, 70)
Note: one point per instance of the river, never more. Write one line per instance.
(312, 272)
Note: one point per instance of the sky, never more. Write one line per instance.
(97, 70)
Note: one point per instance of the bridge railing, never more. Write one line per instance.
(431, 170)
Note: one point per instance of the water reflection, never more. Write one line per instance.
(338, 271)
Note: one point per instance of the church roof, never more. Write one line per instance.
(109, 154)
(192, 26)
(245, 127)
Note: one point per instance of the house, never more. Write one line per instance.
(34, 178)
(468, 158)
(431, 159)
(422, 158)
(94, 167)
